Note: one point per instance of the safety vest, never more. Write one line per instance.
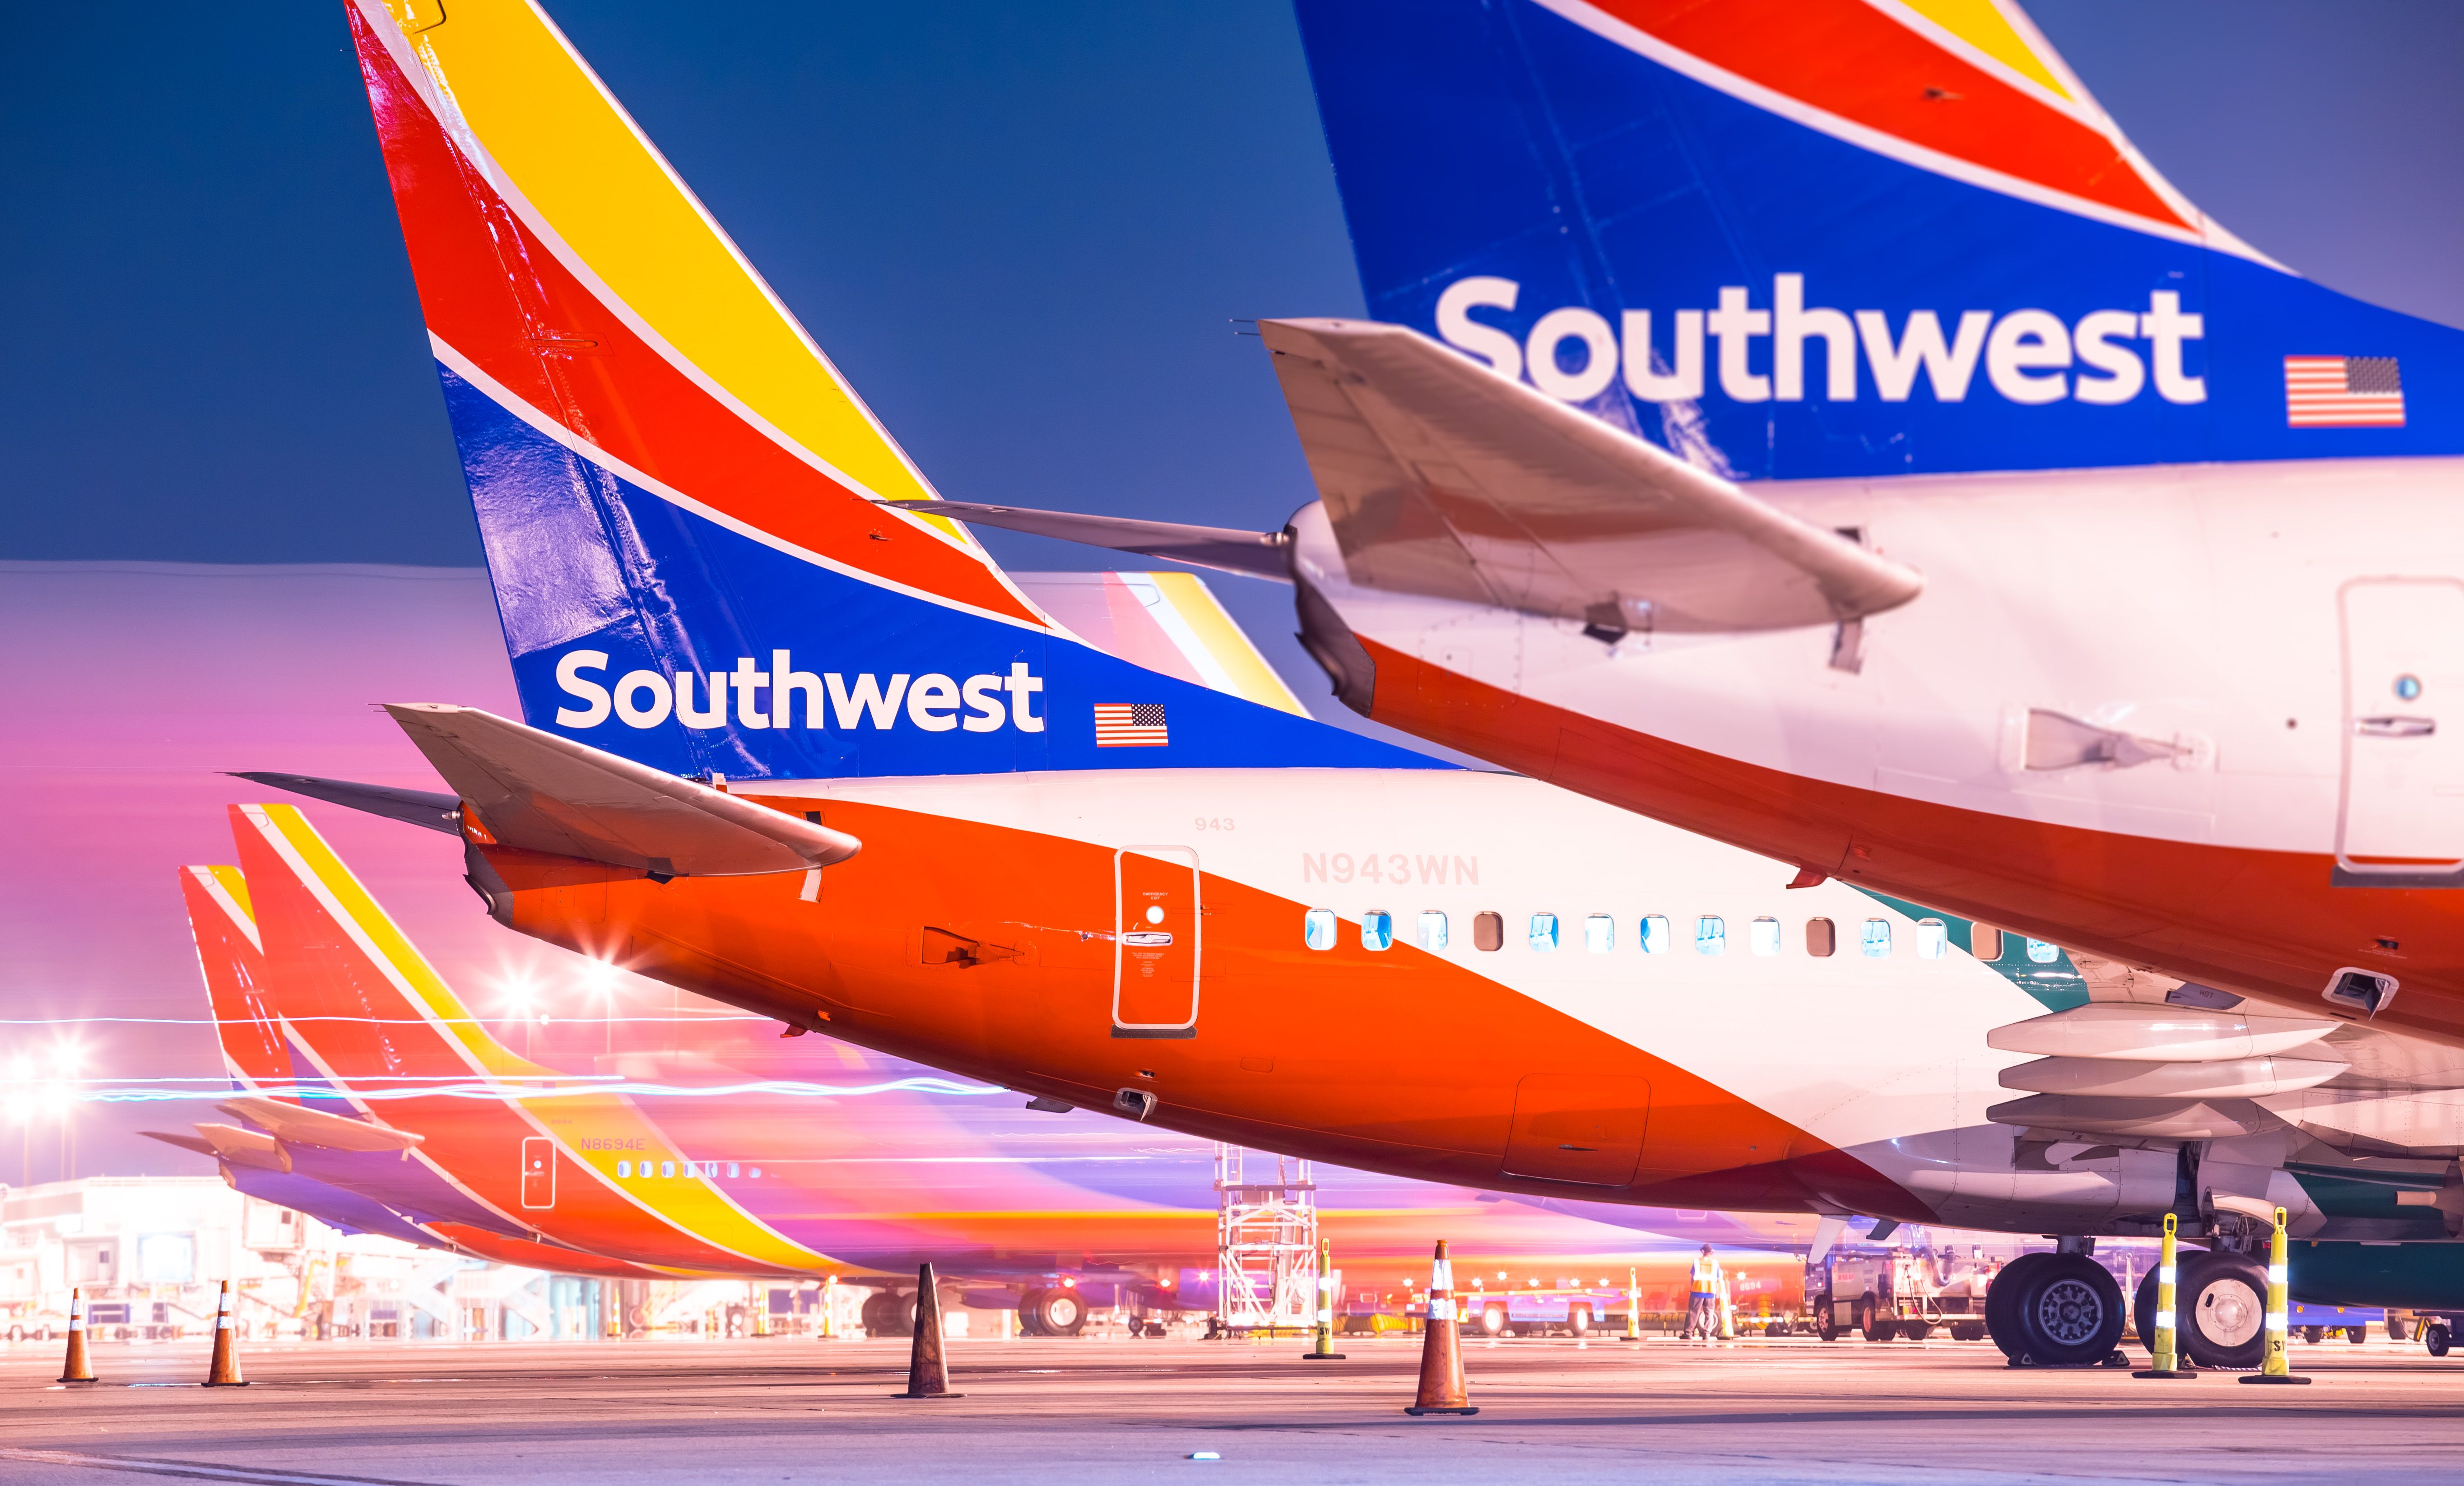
(1706, 1275)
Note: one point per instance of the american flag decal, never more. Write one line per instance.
(2342, 392)
(1124, 725)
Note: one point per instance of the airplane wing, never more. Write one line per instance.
(1445, 479)
(542, 793)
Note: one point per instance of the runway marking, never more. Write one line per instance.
(197, 1470)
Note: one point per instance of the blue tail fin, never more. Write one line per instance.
(1808, 238)
(683, 501)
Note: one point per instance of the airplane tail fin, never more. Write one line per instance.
(231, 954)
(1811, 238)
(365, 1006)
(373, 1016)
(684, 504)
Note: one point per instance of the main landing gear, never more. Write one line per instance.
(2055, 1310)
(2221, 1310)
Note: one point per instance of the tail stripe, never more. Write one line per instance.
(562, 145)
(493, 286)
(454, 365)
(1859, 75)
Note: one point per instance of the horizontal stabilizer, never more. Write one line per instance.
(197, 1142)
(246, 1148)
(1444, 479)
(299, 1126)
(418, 807)
(1255, 553)
(538, 792)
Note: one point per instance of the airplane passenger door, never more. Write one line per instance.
(539, 1171)
(2402, 808)
(1154, 941)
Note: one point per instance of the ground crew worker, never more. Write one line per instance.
(1703, 1297)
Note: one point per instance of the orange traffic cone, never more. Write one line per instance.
(225, 1371)
(928, 1371)
(1442, 1373)
(78, 1368)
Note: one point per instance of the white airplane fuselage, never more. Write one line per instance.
(2274, 642)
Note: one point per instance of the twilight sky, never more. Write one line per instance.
(1021, 232)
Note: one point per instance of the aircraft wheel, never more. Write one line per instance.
(2002, 1302)
(2434, 1337)
(1874, 1322)
(2222, 1301)
(1058, 1312)
(2068, 1312)
(1029, 1326)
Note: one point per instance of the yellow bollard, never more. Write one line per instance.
(2166, 1361)
(1633, 1307)
(2280, 1304)
(830, 1307)
(1325, 1350)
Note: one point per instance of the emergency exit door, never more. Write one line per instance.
(2403, 805)
(539, 1171)
(1154, 941)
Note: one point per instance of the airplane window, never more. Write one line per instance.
(1655, 934)
(1317, 928)
(1433, 929)
(2041, 952)
(731, 1169)
(1878, 939)
(1821, 937)
(1710, 934)
(665, 1168)
(1985, 942)
(1488, 931)
(624, 1168)
(1762, 935)
(1544, 932)
(1933, 939)
(1376, 929)
(756, 1172)
(1599, 934)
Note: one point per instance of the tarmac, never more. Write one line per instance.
(1082, 1411)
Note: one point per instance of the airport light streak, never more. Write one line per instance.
(118, 1091)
